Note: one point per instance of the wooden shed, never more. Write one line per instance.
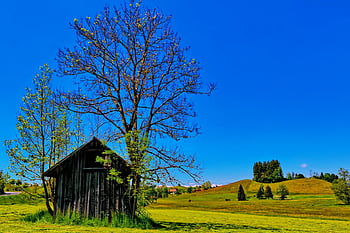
(82, 185)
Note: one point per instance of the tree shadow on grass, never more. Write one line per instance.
(175, 226)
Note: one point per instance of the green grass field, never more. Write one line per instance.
(209, 211)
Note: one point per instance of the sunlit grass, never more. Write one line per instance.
(205, 221)
(209, 211)
(325, 206)
(177, 220)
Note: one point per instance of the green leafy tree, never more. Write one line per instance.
(162, 192)
(344, 174)
(206, 185)
(138, 79)
(282, 191)
(260, 194)
(43, 135)
(190, 189)
(341, 186)
(241, 194)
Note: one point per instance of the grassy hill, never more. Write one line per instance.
(299, 186)
(309, 198)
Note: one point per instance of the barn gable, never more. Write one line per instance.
(82, 185)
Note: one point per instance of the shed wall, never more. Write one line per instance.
(86, 189)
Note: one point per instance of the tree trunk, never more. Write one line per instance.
(135, 191)
(47, 196)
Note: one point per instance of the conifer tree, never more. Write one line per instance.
(268, 172)
(260, 193)
(268, 192)
(241, 194)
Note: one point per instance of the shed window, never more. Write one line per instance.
(90, 162)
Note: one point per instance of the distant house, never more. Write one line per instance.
(172, 191)
(82, 185)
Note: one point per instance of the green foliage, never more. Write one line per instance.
(341, 190)
(44, 133)
(293, 176)
(241, 194)
(268, 192)
(206, 185)
(190, 189)
(268, 172)
(43, 130)
(260, 194)
(341, 187)
(330, 177)
(2, 182)
(344, 174)
(282, 191)
(162, 192)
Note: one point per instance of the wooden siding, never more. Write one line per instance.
(82, 185)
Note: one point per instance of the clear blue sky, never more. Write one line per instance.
(282, 70)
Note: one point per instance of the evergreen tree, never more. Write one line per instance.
(268, 172)
(268, 192)
(260, 193)
(282, 191)
(257, 170)
(241, 194)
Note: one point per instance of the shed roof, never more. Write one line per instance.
(54, 170)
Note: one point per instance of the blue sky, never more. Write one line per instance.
(281, 67)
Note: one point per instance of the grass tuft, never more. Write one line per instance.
(116, 220)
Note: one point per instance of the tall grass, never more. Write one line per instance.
(116, 220)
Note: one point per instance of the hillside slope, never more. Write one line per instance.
(299, 186)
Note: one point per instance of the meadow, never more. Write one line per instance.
(215, 210)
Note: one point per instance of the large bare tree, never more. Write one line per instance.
(133, 71)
